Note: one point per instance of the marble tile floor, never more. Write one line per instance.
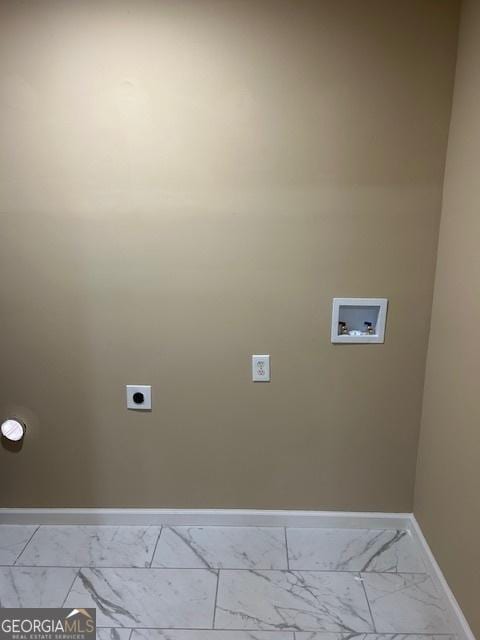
(227, 583)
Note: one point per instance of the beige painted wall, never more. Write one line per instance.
(183, 184)
(448, 479)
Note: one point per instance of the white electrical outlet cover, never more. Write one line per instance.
(134, 401)
(261, 368)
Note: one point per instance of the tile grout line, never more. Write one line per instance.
(155, 549)
(368, 602)
(26, 545)
(286, 548)
(216, 600)
(265, 569)
(71, 586)
(292, 632)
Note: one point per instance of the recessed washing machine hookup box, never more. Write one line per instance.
(358, 320)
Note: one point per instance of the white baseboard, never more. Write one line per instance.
(462, 628)
(206, 517)
(252, 517)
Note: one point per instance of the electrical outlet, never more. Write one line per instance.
(139, 397)
(261, 368)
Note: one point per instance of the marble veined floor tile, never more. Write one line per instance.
(295, 600)
(222, 548)
(308, 635)
(113, 634)
(353, 550)
(34, 586)
(162, 598)
(91, 546)
(13, 538)
(210, 634)
(403, 603)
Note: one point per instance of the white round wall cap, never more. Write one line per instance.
(13, 430)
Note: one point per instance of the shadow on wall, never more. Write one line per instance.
(11, 446)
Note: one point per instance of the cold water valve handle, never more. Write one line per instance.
(13, 430)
